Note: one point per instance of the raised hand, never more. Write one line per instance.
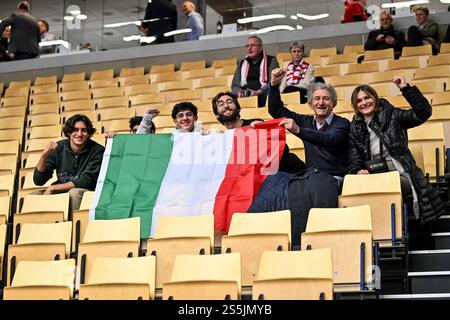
(290, 125)
(277, 76)
(52, 146)
(399, 81)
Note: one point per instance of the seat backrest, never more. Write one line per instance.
(333, 70)
(74, 77)
(152, 98)
(356, 68)
(224, 62)
(9, 147)
(441, 98)
(379, 54)
(162, 68)
(42, 89)
(5, 207)
(136, 71)
(410, 63)
(7, 185)
(39, 81)
(388, 182)
(194, 226)
(112, 102)
(104, 83)
(74, 105)
(45, 273)
(113, 230)
(73, 86)
(191, 65)
(339, 219)
(439, 60)
(87, 199)
(417, 51)
(53, 202)
(136, 89)
(15, 101)
(102, 74)
(46, 233)
(324, 52)
(432, 72)
(357, 48)
(267, 222)
(125, 271)
(106, 92)
(217, 267)
(310, 264)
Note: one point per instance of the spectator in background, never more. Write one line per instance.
(194, 21)
(4, 41)
(355, 11)
(252, 76)
(386, 37)
(165, 14)
(45, 36)
(140, 125)
(447, 34)
(425, 32)
(77, 161)
(25, 35)
(299, 73)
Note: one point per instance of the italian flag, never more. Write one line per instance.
(184, 174)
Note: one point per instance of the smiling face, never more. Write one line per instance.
(321, 103)
(365, 104)
(79, 136)
(185, 120)
(226, 109)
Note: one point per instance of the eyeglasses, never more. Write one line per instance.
(222, 103)
(184, 114)
(252, 45)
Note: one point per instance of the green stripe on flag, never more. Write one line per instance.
(136, 169)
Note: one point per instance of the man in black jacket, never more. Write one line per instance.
(77, 161)
(160, 17)
(386, 37)
(25, 33)
(325, 137)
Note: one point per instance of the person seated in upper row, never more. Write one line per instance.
(426, 32)
(77, 161)
(379, 143)
(386, 37)
(252, 75)
(299, 73)
(355, 11)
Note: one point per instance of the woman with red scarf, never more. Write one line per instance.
(299, 73)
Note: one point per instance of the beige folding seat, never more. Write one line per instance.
(73, 86)
(252, 234)
(120, 279)
(179, 235)
(191, 65)
(162, 68)
(348, 233)
(73, 77)
(102, 74)
(294, 275)
(205, 277)
(42, 280)
(48, 80)
(134, 71)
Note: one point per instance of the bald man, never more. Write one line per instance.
(194, 21)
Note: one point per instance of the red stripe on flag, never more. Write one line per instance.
(256, 151)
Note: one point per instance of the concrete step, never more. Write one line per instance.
(429, 282)
(441, 240)
(442, 224)
(423, 296)
(429, 260)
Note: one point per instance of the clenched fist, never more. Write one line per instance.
(277, 76)
(52, 146)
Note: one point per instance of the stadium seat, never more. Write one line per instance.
(75, 95)
(80, 219)
(198, 74)
(11, 134)
(20, 84)
(429, 138)
(42, 280)
(7, 185)
(165, 77)
(46, 119)
(66, 115)
(103, 74)
(106, 93)
(192, 65)
(39, 242)
(432, 72)
(179, 235)
(44, 98)
(210, 92)
(12, 112)
(348, 232)
(385, 54)
(16, 92)
(14, 101)
(120, 279)
(205, 277)
(3, 229)
(48, 80)
(73, 86)
(162, 68)
(42, 89)
(363, 68)
(45, 132)
(175, 85)
(41, 209)
(334, 70)
(248, 102)
(44, 108)
(440, 60)
(112, 102)
(210, 82)
(104, 83)
(410, 63)
(129, 72)
(8, 164)
(5, 208)
(357, 48)
(294, 275)
(9, 148)
(251, 234)
(114, 113)
(77, 105)
(342, 59)
(73, 77)
(192, 96)
(323, 52)
(224, 62)
(136, 89)
(382, 193)
(107, 239)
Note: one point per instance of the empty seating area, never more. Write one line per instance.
(48, 251)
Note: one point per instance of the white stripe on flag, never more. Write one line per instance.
(195, 172)
(101, 178)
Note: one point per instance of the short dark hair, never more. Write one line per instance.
(23, 5)
(184, 106)
(221, 94)
(136, 120)
(424, 9)
(45, 24)
(69, 126)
